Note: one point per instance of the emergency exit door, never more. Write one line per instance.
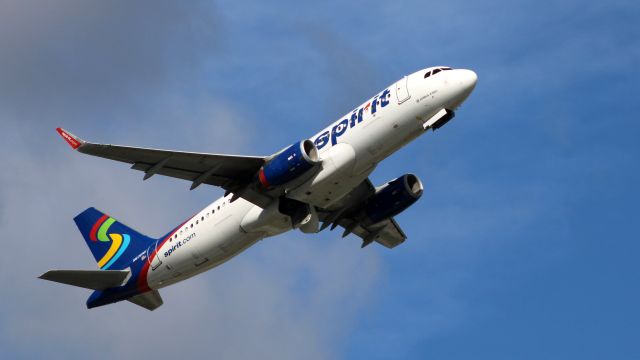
(156, 259)
(402, 90)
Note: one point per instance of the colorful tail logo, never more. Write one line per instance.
(119, 242)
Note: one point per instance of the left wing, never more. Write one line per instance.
(345, 213)
(230, 172)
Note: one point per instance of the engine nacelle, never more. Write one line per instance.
(394, 197)
(289, 164)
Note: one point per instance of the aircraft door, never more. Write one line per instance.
(197, 251)
(402, 90)
(156, 259)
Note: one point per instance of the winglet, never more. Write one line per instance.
(74, 141)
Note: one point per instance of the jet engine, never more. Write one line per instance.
(393, 198)
(289, 164)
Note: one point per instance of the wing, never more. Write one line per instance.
(230, 172)
(345, 213)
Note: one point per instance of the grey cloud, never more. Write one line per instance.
(130, 73)
(74, 57)
(352, 75)
(247, 308)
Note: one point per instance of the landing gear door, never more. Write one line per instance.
(155, 262)
(402, 90)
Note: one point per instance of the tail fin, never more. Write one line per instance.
(112, 243)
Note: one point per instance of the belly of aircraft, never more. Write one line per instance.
(209, 245)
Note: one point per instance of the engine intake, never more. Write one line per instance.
(394, 197)
(288, 164)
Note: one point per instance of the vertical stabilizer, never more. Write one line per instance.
(112, 243)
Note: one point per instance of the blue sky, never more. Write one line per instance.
(523, 246)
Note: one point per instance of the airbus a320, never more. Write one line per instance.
(315, 183)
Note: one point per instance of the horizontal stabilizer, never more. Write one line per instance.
(150, 300)
(88, 279)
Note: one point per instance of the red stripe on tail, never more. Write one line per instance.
(94, 229)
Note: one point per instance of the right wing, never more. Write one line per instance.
(346, 211)
(230, 172)
(387, 232)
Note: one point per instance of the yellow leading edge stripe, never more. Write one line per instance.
(116, 241)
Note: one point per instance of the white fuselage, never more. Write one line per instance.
(349, 149)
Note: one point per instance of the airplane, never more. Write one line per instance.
(315, 183)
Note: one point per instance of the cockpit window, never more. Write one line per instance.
(436, 70)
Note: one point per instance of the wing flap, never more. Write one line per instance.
(345, 213)
(211, 179)
(387, 232)
(391, 235)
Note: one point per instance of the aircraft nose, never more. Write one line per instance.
(468, 80)
(463, 81)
